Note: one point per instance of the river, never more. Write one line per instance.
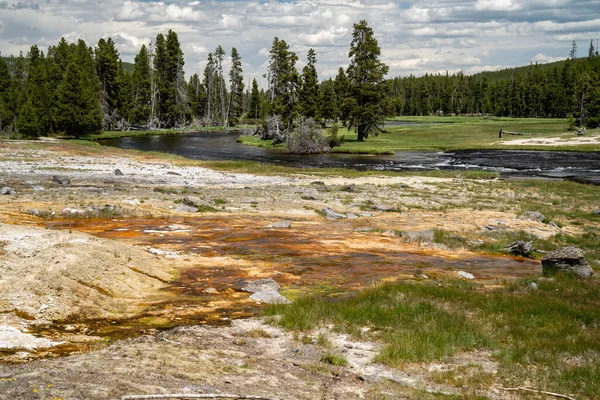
(221, 146)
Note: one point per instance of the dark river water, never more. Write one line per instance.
(219, 146)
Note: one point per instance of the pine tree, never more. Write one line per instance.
(366, 74)
(573, 52)
(328, 100)
(236, 82)
(142, 88)
(107, 66)
(284, 81)
(591, 52)
(31, 116)
(125, 93)
(219, 56)
(309, 91)
(6, 84)
(170, 83)
(196, 96)
(342, 91)
(254, 109)
(78, 108)
(209, 79)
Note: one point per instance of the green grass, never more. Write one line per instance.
(120, 134)
(547, 338)
(459, 133)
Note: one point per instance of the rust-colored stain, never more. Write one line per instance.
(312, 256)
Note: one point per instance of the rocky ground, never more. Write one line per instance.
(108, 236)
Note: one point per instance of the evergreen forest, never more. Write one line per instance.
(77, 90)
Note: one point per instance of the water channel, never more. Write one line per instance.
(222, 146)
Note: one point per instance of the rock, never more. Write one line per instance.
(363, 230)
(173, 173)
(210, 290)
(70, 212)
(382, 207)
(265, 291)
(308, 197)
(118, 172)
(520, 248)
(260, 285)
(7, 191)
(476, 242)
(350, 188)
(34, 211)
(568, 259)
(12, 339)
(419, 236)
(184, 208)
(388, 233)
(491, 227)
(318, 183)
(596, 212)
(366, 214)
(533, 286)
(193, 201)
(332, 215)
(465, 275)
(351, 216)
(132, 202)
(61, 179)
(270, 297)
(533, 215)
(553, 225)
(38, 188)
(280, 224)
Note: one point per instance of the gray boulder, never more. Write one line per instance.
(332, 215)
(265, 291)
(185, 208)
(520, 248)
(533, 215)
(61, 179)
(419, 236)
(118, 172)
(596, 212)
(568, 259)
(7, 191)
(280, 224)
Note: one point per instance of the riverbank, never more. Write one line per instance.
(128, 261)
(462, 133)
(159, 132)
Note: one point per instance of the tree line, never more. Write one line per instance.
(569, 88)
(76, 90)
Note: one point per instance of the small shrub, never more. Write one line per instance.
(307, 139)
(334, 359)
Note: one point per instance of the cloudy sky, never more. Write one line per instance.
(415, 36)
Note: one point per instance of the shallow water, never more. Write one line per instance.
(220, 146)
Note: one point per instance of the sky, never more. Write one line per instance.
(416, 37)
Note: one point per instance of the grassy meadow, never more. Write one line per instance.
(452, 133)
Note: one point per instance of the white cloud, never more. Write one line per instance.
(416, 36)
(541, 58)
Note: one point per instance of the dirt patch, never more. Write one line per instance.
(555, 141)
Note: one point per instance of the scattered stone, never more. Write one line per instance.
(38, 188)
(118, 172)
(491, 227)
(71, 212)
(533, 286)
(419, 236)
(193, 201)
(308, 197)
(351, 216)
(520, 248)
(61, 179)
(465, 275)
(388, 233)
(350, 188)
(210, 290)
(476, 242)
(265, 291)
(366, 214)
(34, 211)
(553, 225)
(132, 202)
(363, 230)
(7, 191)
(533, 215)
(332, 215)
(568, 259)
(187, 209)
(280, 224)
(173, 173)
(318, 183)
(596, 212)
